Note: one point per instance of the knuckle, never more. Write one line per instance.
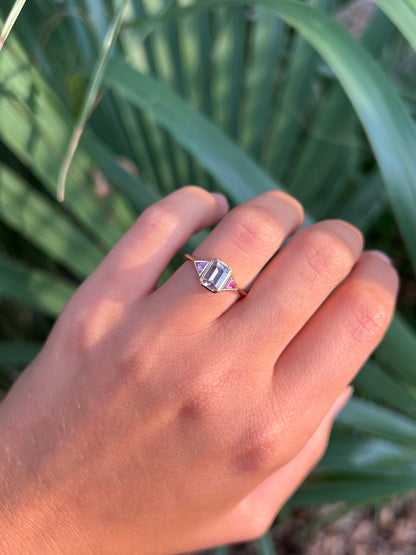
(98, 320)
(139, 357)
(128, 365)
(257, 450)
(370, 314)
(83, 320)
(80, 324)
(251, 228)
(325, 256)
(293, 203)
(197, 395)
(194, 412)
(159, 220)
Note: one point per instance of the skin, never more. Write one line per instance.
(167, 420)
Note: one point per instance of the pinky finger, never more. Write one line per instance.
(254, 515)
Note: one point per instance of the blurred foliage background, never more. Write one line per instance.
(315, 97)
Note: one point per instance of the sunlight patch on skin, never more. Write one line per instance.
(144, 243)
(157, 226)
(106, 314)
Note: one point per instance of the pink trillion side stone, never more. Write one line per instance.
(231, 284)
(200, 265)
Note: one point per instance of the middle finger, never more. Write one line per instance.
(296, 283)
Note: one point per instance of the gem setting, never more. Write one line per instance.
(215, 275)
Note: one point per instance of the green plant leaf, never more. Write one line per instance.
(386, 389)
(223, 550)
(369, 418)
(354, 454)
(219, 155)
(265, 59)
(265, 545)
(367, 205)
(389, 127)
(38, 289)
(40, 130)
(90, 96)
(398, 350)
(353, 489)
(403, 14)
(289, 118)
(10, 21)
(37, 218)
(18, 353)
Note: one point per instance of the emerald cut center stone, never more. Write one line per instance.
(215, 275)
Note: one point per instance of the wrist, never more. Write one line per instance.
(28, 514)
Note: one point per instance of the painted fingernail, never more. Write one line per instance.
(382, 255)
(340, 402)
(221, 200)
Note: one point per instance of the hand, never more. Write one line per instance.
(169, 420)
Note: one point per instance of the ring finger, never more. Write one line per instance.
(245, 239)
(134, 265)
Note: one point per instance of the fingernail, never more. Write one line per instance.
(340, 402)
(221, 200)
(382, 255)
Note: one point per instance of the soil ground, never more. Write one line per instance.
(388, 529)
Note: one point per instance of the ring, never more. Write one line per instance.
(215, 275)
